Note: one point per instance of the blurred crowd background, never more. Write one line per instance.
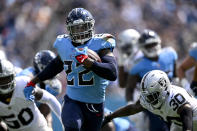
(26, 26)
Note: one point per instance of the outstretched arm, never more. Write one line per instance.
(187, 63)
(45, 97)
(130, 109)
(52, 69)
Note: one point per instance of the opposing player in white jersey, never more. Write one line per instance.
(128, 52)
(18, 113)
(172, 103)
(128, 55)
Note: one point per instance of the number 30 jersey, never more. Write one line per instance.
(83, 84)
(175, 98)
(21, 114)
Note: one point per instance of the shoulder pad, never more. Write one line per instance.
(104, 36)
(62, 36)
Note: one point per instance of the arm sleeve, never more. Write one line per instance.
(52, 69)
(107, 69)
(52, 102)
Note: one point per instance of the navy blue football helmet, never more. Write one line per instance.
(42, 59)
(150, 43)
(80, 25)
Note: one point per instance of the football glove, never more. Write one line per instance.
(29, 91)
(81, 54)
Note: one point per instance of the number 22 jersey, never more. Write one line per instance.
(83, 84)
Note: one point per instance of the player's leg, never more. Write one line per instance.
(93, 116)
(72, 117)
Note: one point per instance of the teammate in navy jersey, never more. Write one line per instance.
(154, 58)
(189, 62)
(86, 78)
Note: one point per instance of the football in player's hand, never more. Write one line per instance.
(93, 55)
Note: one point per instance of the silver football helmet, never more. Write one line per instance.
(150, 43)
(128, 40)
(7, 75)
(154, 87)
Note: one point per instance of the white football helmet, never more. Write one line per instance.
(7, 75)
(128, 40)
(154, 87)
(150, 43)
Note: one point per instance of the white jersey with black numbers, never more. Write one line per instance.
(176, 97)
(21, 114)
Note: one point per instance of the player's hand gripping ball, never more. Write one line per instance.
(83, 53)
(93, 55)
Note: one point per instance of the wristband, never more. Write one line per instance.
(30, 84)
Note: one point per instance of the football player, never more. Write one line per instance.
(86, 78)
(53, 86)
(154, 57)
(16, 111)
(189, 62)
(128, 55)
(172, 103)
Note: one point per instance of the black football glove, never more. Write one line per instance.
(193, 86)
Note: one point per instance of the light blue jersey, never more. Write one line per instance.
(83, 84)
(166, 61)
(193, 53)
(30, 72)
